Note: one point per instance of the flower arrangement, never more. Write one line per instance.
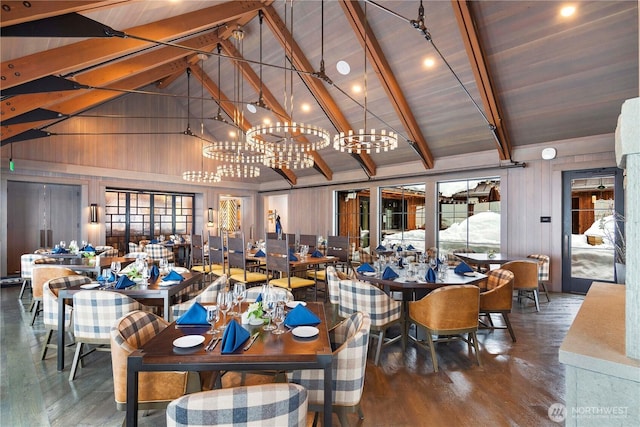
(255, 310)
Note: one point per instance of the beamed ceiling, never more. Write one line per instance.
(506, 74)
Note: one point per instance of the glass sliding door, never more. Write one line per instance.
(352, 216)
(402, 216)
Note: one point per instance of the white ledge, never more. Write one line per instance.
(596, 339)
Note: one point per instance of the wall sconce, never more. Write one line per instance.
(93, 213)
(210, 217)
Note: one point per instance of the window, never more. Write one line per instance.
(402, 215)
(133, 216)
(352, 216)
(469, 215)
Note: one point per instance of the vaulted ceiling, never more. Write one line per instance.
(504, 74)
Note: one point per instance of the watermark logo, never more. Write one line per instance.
(557, 412)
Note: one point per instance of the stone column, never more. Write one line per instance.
(628, 158)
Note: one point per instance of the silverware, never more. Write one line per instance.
(213, 344)
(210, 343)
(253, 339)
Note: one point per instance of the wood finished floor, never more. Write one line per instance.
(515, 385)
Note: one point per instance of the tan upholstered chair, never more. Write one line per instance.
(155, 389)
(525, 279)
(498, 298)
(451, 312)
(41, 274)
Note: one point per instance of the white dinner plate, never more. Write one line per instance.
(180, 270)
(90, 285)
(167, 282)
(138, 279)
(188, 341)
(294, 304)
(305, 331)
(256, 322)
(369, 273)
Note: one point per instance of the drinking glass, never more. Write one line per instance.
(269, 303)
(103, 279)
(225, 300)
(239, 293)
(278, 318)
(213, 315)
(163, 264)
(115, 268)
(63, 244)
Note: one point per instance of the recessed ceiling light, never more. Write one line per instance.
(266, 121)
(305, 107)
(343, 67)
(232, 134)
(429, 62)
(356, 88)
(252, 108)
(567, 11)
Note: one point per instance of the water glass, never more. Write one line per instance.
(63, 244)
(213, 315)
(239, 294)
(116, 267)
(278, 319)
(106, 274)
(269, 303)
(225, 300)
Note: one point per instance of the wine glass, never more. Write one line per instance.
(225, 300)
(63, 244)
(269, 303)
(213, 315)
(278, 318)
(239, 293)
(163, 264)
(115, 268)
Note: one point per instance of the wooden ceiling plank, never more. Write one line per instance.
(355, 16)
(270, 100)
(18, 12)
(482, 75)
(108, 74)
(316, 86)
(87, 53)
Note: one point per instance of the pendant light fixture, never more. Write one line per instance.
(365, 140)
(260, 102)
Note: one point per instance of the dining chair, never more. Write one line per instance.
(448, 312)
(94, 313)
(108, 253)
(237, 259)
(350, 343)
(157, 252)
(196, 254)
(134, 247)
(50, 307)
(498, 299)
(155, 389)
(310, 240)
(40, 275)
(257, 405)
(384, 311)
(26, 267)
(254, 292)
(525, 281)
(207, 296)
(279, 267)
(544, 268)
(338, 246)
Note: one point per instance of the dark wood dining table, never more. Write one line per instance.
(153, 291)
(269, 352)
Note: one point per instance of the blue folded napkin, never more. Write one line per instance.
(174, 275)
(88, 248)
(366, 267)
(124, 282)
(196, 315)
(410, 248)
(381, 248)
(259, 299)
(153, 241)
(59, 250)
(301, 316)
(233, 338)
(399, 249)
(389, 274)
(112, 277)
(316, 254)
(292, 256)
(431, 276)
(260, 254)
(462, 268)
(438, 262)
(154, 272)
(169, 243)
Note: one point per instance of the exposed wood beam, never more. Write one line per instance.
(106, 75)
(356, 18)
(316, 86)
(87, 53)
(17, 12)
(482, 75)
(232, 110)
(250, 75)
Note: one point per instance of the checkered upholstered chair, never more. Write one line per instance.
(26, 265)
(95, 313)
(498, 299)
(155, 389)
(157, 252)
(258, 405)
(544, 268)
(134, 247)
(50, 307)
(252, 294)
(207, 295)
(525, 279)
(384, 311)
(39, 276)
(333, 278)
(451, 312)
(350, 342)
